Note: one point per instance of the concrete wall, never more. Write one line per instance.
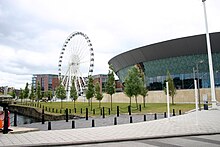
(182, 96)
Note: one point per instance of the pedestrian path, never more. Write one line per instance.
(203, 122)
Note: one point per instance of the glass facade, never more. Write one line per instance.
(181, 69)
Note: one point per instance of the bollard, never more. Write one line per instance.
(15, 118)
(93, 123)
(93, 111)
(145, 118)
(43, 116)
(180, 112)
(173, 112)
(56, 111)
(129, 110)
(115, 121)
(165, 114)
(109, 111)
(140, 108)
(69, 110)
(75, 110)
(53, 110)
(49, 125)
(81, 110)
(73, 124)
(86, 113)
(103, 112)
(117, 111)
(131, 119)
(5, 128)
(155, 116)
(66, 115)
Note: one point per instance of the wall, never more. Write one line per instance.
(182, 96)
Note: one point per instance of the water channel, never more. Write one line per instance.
(21, 119)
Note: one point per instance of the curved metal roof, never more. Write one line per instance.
(192, 45)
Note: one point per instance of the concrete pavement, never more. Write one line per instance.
(207, 122)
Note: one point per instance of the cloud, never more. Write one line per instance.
(32, 32)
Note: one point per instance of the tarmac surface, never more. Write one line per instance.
(203, 122)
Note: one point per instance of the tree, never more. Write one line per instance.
(49, 94)
(172, 88)
(21, 95)
(32, 94)
(133, 84)
(26, 91)
(144, 90)
(98, 93)
(13, 94)
(110, 84)
(73, 93)
(61, 93)
(90, 90)
(38, 91)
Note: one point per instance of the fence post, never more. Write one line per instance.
(174, 112)
(165, 114)
(73, 124)
(93, 123)
(66, 115)
(145, 118)
(5, 128)
(115, 121)
(180, 112)
(86, 113)
(49, 125)
(43, 115)
(103, 113)
(140, 107)
(117, 111)
(155, 116)
(131, 121)
(15, 118)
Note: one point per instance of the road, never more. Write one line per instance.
(188, 141)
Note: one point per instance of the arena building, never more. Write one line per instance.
(185, 58)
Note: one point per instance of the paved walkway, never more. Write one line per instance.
(207, 122)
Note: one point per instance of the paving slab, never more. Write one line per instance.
(201, 123)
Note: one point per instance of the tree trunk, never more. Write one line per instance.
(61, 104)
(130, 101)
(172, 100)
(88, 102)
(136, 102)
(144, 100)
(111, 102)
(74, 104)
(91, 104)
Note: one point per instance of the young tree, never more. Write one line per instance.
(49, 94)
(21, 95)
(172, 88)
(98, 94)
(110, 84)
(90, 90)
(144, 90)
(32, 94)
(38, 94)
(133, 84)
(26, 91)
(13, 94)
(61, 93)
(73, 93)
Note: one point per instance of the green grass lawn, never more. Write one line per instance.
(55, 107)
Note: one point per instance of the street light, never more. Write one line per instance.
(212, 82)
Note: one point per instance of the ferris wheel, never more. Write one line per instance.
(76, 62)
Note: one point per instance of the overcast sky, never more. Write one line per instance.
(32, 32)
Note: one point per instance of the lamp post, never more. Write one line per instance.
(212, 82)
